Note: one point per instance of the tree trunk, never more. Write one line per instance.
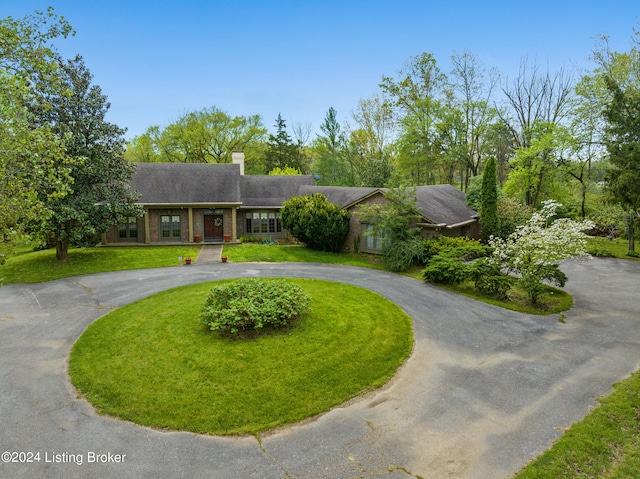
(62, 250)
(631, 231)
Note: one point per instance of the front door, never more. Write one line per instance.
(213, 228)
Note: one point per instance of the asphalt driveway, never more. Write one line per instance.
(484, 391)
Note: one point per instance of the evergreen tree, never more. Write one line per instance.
(281, 151)
(101, 195)
(623, 146)
(489, 219)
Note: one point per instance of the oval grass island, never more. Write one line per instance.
(154, 363)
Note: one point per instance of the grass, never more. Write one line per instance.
(154, 363)
(551, 301)
(27, 266)
(617, 248)
(250, 252)
(605, 444)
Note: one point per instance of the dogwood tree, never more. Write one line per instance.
(534, 251)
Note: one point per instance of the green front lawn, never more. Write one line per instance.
(605, 444)
(154, 363)
(251, 252)
(34, 267)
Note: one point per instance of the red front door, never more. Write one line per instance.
(213, 227)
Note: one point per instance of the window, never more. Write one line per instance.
(263, 222)
(170, 226)
(372, 241)
(129, 229)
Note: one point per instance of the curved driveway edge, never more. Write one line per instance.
(484, 391)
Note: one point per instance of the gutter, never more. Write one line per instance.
(445, 225)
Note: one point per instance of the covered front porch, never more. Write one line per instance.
(178, 224)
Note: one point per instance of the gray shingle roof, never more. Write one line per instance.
(443, 204)
(204, 183)
(439, 204)
(187, 183)
(260, 191)
(343, 196)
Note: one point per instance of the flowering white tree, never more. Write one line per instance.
(534, 251)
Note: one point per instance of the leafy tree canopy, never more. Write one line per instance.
(101, 195)
(206, 136)
(34, 167)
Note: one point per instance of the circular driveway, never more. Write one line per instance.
(484, 391)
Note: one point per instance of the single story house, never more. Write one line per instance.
(213, 203)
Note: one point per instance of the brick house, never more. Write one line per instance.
(212, 203)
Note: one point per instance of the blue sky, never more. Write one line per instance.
(156, 60)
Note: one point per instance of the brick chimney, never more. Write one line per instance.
(237, 158)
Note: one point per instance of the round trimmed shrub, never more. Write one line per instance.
(316, 222)
(253, 303)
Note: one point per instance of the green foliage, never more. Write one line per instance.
(395, 218)
(281, 152)
(474, 193)
(316, 222)
(248, 239)
(447, 269)
(489, 280)
(101, 195)
(394, 221)
(623, 140)
(286, 171)
(370, 148)
(209, 135)
(253, 303)
(512, 213)
(401, 255)
(443, 243)
(452, 264)
(330, 150)
(32, 156)
(534, 176)
(489, 219)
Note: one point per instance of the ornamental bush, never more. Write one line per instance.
(452, 265)
(253, 303)
(440, 244)
(447, 269)
(403, 254)
(316, 222)
(489, 280)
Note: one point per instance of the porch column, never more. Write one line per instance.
(190, 224)
(147, 230)
(234, 224)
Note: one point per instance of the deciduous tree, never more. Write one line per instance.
(621, 74)
(32, 157)
(205, 136)
(534, 251)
